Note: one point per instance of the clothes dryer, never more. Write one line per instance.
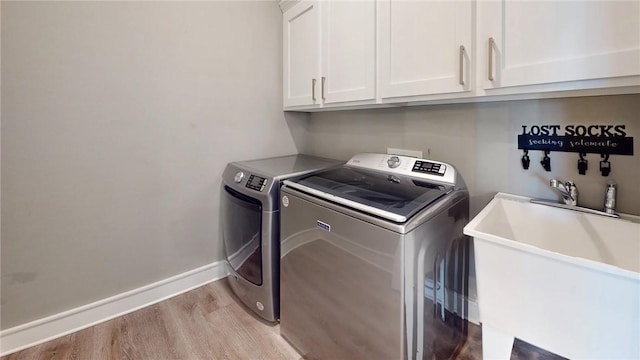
(251, 225)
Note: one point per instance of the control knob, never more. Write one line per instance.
(393, 162)
(239, 176)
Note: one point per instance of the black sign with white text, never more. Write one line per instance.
(599, 139)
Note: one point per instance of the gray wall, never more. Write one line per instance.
(481, 141)
(117, 121)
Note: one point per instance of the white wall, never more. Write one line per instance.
(117, 121)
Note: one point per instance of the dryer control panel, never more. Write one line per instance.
(256, 183)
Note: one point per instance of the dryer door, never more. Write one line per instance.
(242, 234)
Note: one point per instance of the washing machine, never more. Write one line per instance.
(251, 225)
(374, 263)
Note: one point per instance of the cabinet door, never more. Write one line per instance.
(539, 42)
(348, 51)
(301, 44)
(420, 47)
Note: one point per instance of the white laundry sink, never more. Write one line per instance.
(562, 280)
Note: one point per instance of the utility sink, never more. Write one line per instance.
(563, 280)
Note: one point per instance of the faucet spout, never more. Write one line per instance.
(568, 190)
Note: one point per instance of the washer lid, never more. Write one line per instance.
(392, 197)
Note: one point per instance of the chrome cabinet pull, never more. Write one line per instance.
(313, 89)
(462, 64)
(491, 44)
(322, 88)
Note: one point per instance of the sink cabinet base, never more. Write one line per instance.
(569, 310)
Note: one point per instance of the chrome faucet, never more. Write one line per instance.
(568, 190)
(569, 193)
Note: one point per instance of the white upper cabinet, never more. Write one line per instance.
(546, 42)
(301, 44)
(329, 53)
(348, 51)
(340, 54)
(425, 47)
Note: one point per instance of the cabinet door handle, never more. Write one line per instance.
(462, 64)
(322, 88)
(491, 45)
(313, 89)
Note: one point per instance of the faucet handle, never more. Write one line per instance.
(566, 184)
(568, 190)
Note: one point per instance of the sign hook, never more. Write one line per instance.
(582, 164)
(605, 165)
(525, 159)
(546, 161)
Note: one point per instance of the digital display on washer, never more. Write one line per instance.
(256, 182)
(429, 168)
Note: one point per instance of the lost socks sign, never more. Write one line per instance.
(599, 139)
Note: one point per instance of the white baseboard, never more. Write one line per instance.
(54, 326)
(473, 312)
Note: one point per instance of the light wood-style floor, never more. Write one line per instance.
(205, 323)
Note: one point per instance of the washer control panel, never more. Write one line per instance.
(428, 170)
(429, 167)
(256, 183)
